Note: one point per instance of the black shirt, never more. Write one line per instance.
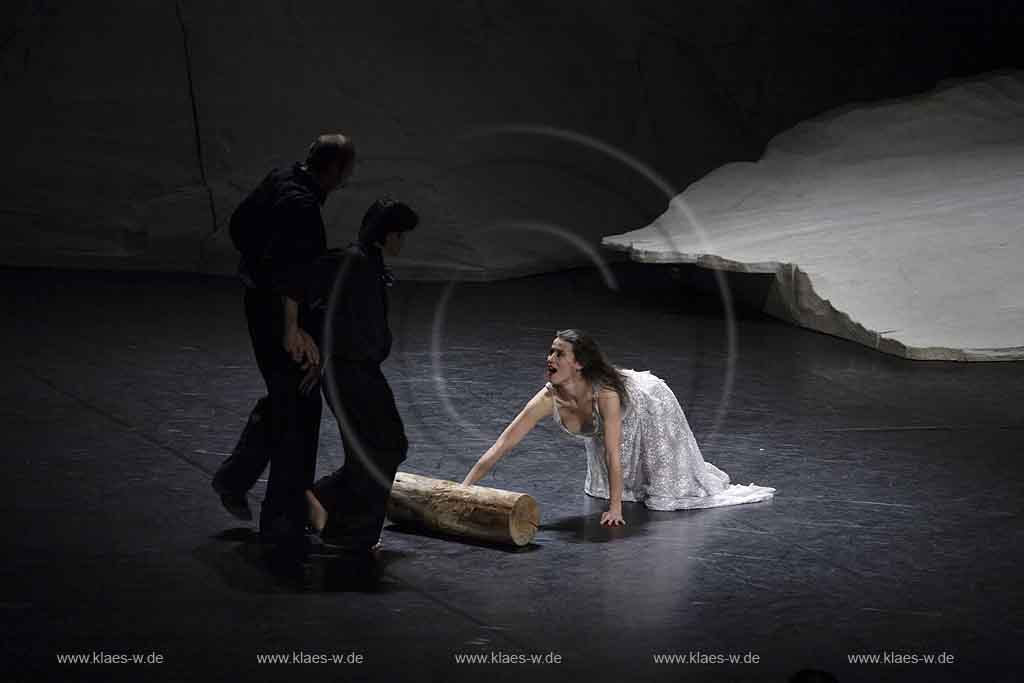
(347, 293)
(289, 202)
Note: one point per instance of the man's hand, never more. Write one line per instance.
(310, 380)
(301, 347)
(612, 518)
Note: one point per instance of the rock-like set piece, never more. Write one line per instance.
(134, 129)
(898, 225)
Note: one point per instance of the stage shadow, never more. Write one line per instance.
(586, 527)
(409, 530)
(247, 563)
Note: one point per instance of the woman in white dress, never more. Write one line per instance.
(632, 414)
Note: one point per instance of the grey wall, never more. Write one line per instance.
(133, 129)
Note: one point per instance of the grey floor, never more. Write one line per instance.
(896, 527)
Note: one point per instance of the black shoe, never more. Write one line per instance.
(235, 503)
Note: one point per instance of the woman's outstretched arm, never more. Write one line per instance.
(528, 417)
(611, 414)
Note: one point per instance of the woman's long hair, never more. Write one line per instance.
(596, 368)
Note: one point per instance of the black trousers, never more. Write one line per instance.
(372, 433)
(284, 427)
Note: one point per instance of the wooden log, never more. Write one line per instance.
(476, 512)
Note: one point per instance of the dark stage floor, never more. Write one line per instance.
(896, 529)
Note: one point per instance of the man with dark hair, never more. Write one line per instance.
(350, 287)
(279, 230)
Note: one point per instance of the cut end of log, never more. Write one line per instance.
(524, 520)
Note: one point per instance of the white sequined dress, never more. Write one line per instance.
(662, 466)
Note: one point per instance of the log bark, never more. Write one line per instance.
(476, 512)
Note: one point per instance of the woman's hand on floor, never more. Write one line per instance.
(612, 518)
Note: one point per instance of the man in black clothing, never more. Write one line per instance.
(280, 232)
(350, 285)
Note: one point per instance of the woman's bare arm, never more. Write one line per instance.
(529, 416)
(611, 414)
